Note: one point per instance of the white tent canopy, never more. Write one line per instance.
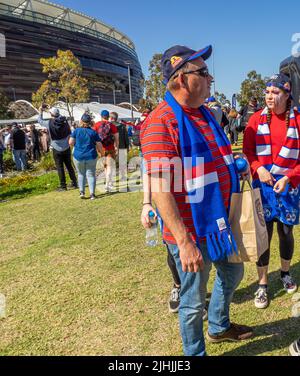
(78, 110)
(95, 109)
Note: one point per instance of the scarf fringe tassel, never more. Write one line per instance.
(220, 245)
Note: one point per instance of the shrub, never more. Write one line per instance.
(16, 180)
(133, 152)
(26, 184)
(47, 163)
(8, 161)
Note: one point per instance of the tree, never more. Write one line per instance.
(5, 112)
(144, 104)
(253, 86)
(221, 98)
(154, 88)
(65, 81)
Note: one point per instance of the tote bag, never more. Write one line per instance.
(248, 225)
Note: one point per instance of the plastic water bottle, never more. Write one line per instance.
(151, 232)
(2, 306)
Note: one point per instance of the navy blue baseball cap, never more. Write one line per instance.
(104, 113)
(175, 57)
(281, 81)
(86, 118)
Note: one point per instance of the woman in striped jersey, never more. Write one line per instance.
(272, 144)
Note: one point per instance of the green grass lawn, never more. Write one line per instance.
(79, 280)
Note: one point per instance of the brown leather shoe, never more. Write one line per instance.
(235, 333)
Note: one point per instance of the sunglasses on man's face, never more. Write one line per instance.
(203, 72)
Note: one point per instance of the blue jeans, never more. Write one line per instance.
(86, 170)
(192, 300)
(20, 159)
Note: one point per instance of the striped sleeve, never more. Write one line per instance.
(249, 143)
(158, 146)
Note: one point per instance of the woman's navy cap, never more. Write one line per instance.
(86, 118)
(281, 81)
(176, 56)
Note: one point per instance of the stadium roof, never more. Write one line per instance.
(56, 15)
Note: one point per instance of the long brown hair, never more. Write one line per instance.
(82, 124)
(233, 113)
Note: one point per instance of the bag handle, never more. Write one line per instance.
(243, 184)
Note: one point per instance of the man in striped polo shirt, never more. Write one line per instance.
(188, 83)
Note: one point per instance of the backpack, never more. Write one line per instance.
(105, 134)
(136, 136)
(123, 136)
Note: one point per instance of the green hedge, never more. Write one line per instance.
(9, 163)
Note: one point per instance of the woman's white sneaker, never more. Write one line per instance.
(295, 348)
(261, 298)
(288, 284)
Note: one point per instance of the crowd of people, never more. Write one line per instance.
(108, 138)
(29, 143)
(188, 124)
(26, 144)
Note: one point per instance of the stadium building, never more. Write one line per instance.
(33, 29)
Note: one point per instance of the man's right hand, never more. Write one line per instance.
(190, 257)
(145, 215)
(265, 176)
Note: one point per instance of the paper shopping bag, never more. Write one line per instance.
(248, 225)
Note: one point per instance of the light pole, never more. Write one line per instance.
(14, 93)
(129, 82)
(114, 94)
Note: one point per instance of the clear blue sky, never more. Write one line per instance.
(246, 35)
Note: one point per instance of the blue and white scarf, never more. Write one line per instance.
(281, 206)
(210, 217)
